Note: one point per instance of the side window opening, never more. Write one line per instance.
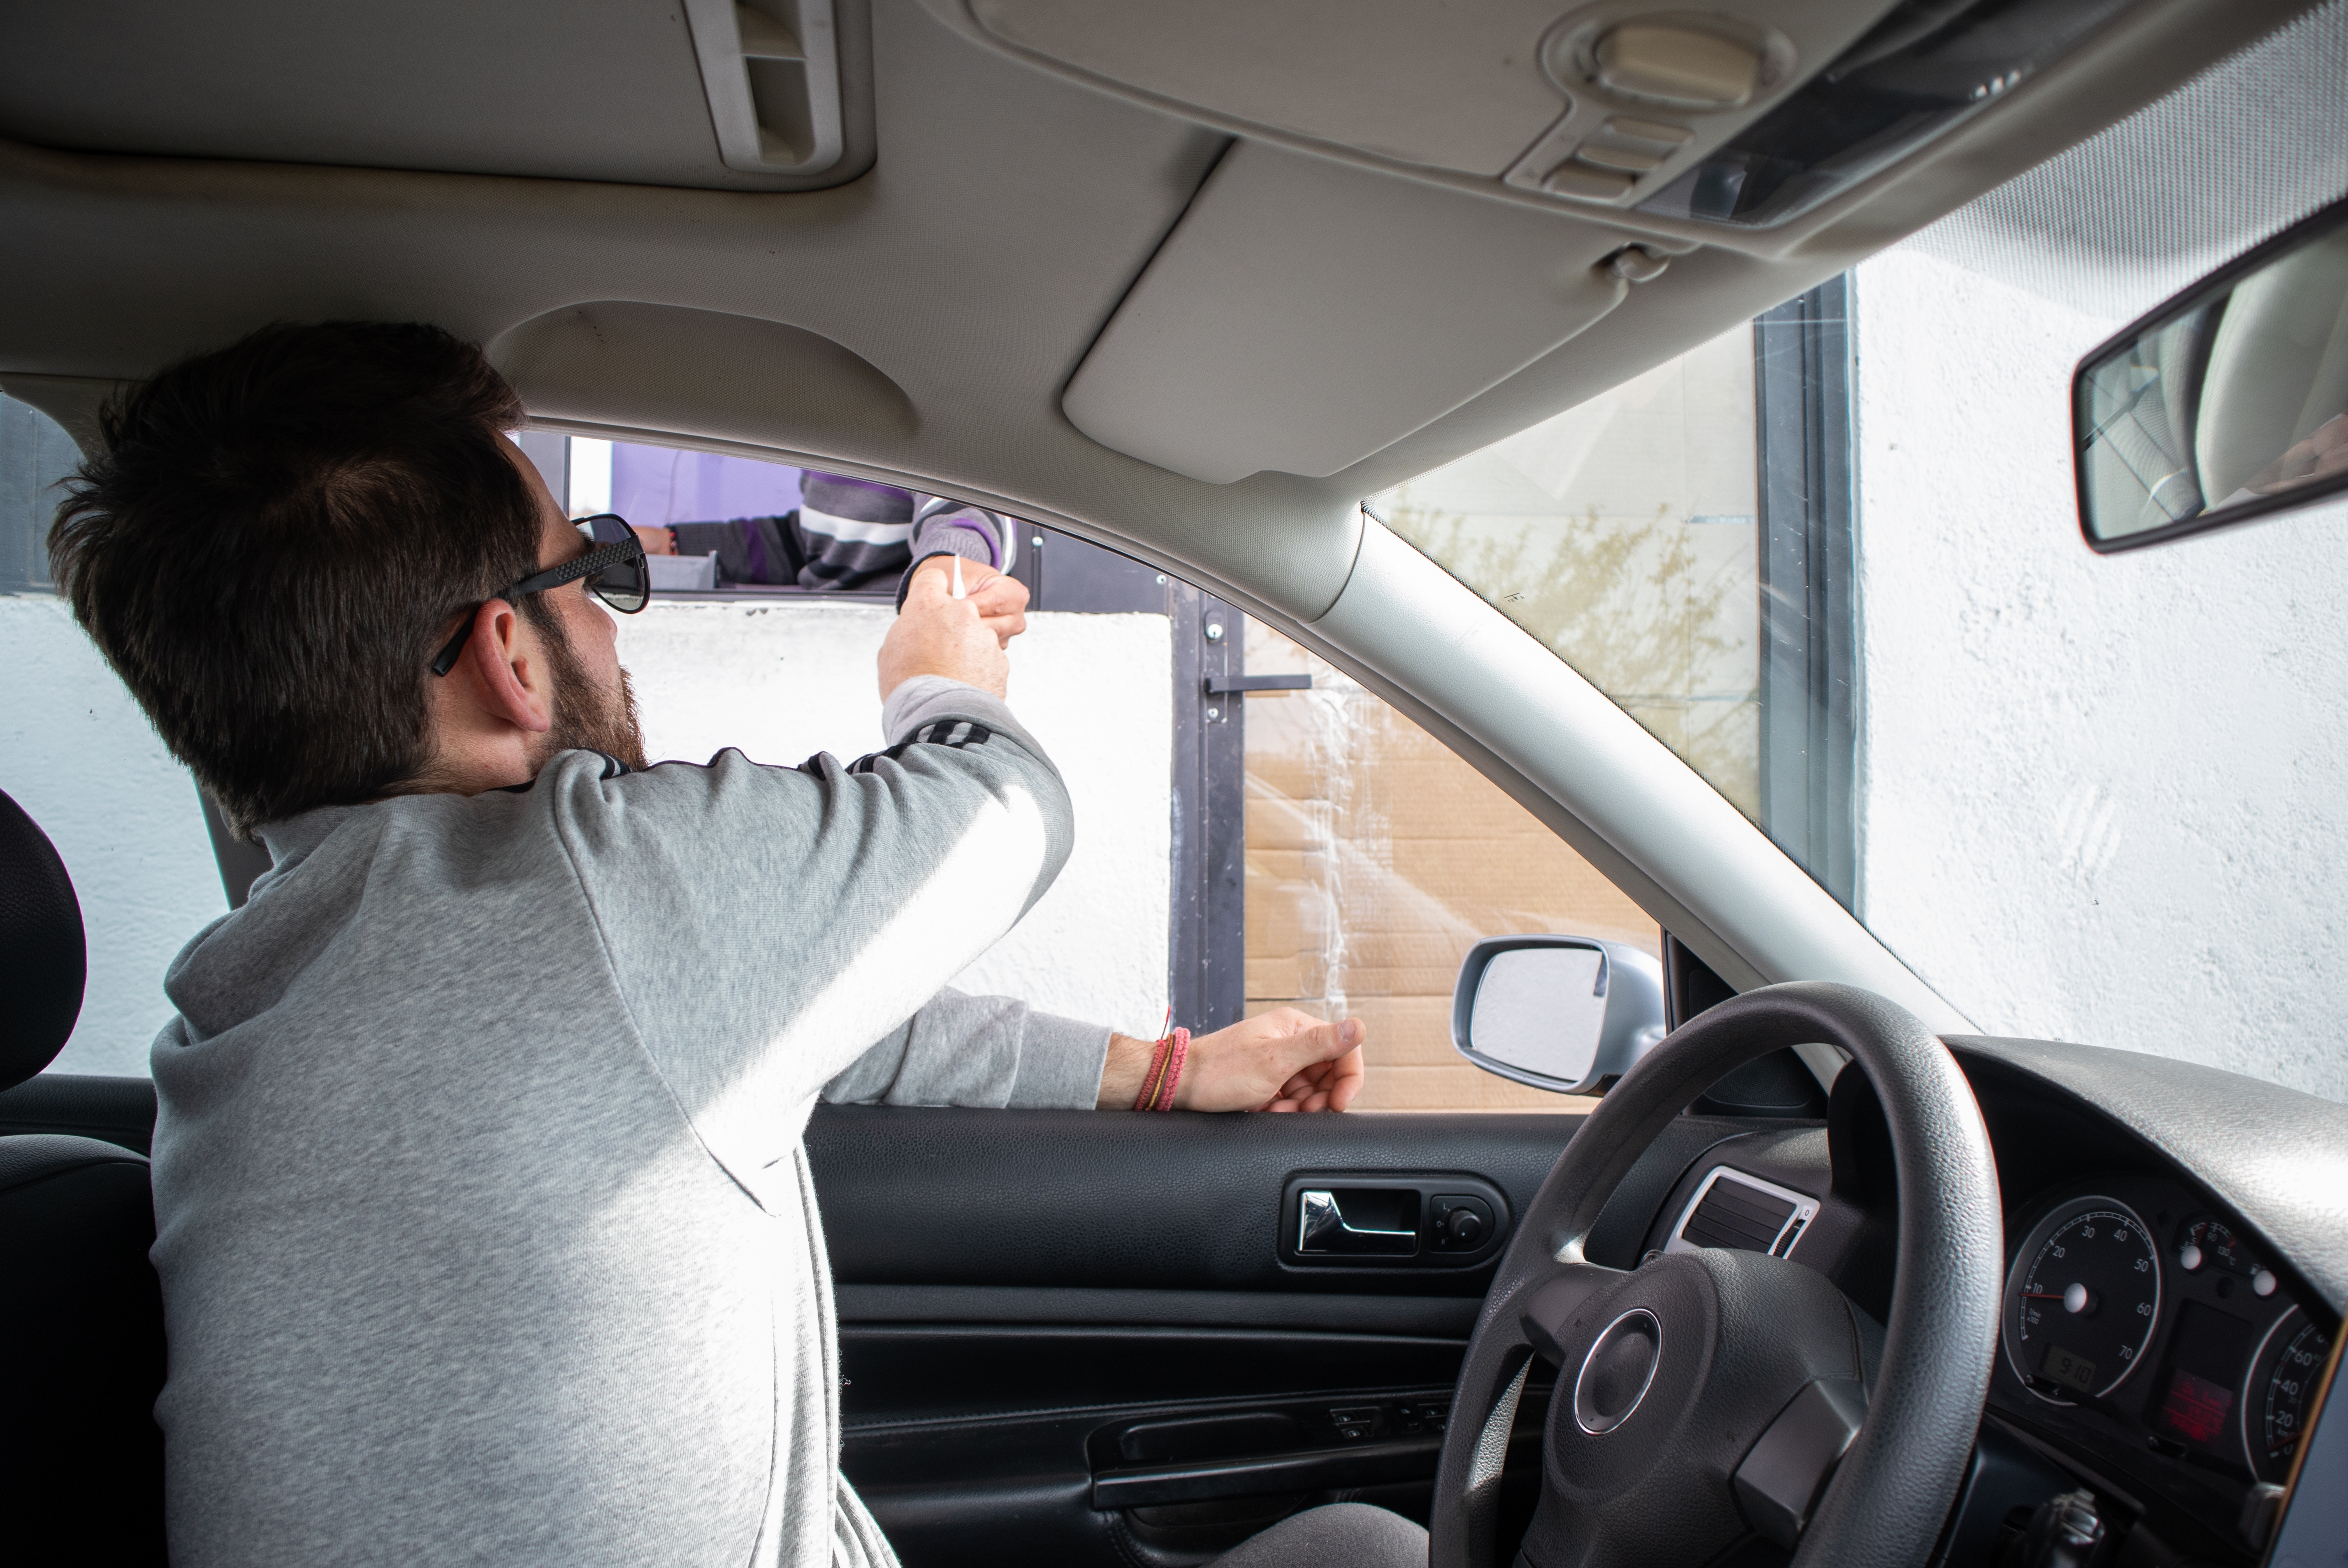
(1237, 850)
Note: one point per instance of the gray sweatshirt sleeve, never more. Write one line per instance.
(995, 1052)
(968, 1051)
(768, 926)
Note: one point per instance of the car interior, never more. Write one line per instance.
(1188, 280)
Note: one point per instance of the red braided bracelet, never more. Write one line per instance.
(1165, 1071)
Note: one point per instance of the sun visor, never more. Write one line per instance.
(1305, 313)
(627, 365)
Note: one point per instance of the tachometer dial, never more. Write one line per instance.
(2083, 1299)
(2283, 1376)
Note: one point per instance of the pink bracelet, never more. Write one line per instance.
(1165, 1072)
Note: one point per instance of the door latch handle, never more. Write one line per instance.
(1322, 1227)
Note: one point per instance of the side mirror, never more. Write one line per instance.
(1568, 1014)
(2227, 402)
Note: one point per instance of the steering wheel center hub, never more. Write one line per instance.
(1671, 1372)
(1617, 1373)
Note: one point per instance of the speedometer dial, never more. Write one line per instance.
(2083, 1299)
(2283, 1376)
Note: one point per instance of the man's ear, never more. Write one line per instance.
(511, 668)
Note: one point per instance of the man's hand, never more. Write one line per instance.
(937, 634)
(1279, 1061)
(1002, 600)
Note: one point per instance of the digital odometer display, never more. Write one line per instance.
(2083, 1300)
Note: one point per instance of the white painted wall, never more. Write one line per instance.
(785, 681)
(2105, 799)
(78, 754)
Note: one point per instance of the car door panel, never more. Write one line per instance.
(1021, 1292)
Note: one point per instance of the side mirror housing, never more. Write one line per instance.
(1568, 1014)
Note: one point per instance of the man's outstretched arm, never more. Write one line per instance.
(991, 1050)
(1282, 1059)
(997, 1051)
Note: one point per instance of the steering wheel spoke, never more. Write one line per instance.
(1547, 1306)
(1788, 1468)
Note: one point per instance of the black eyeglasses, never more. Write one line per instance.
(614, 570)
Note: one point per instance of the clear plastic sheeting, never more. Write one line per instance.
(1623, 534)
(1375, 858)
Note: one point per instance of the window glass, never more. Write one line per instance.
(1684, 541)
(82, 761)
(1375, 858)
(2103, 792)
(1621, 534)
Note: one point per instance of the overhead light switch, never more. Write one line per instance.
(1576, 179)
(1629, 159)
(1649, 59)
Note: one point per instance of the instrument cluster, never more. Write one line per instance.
(2137, 1317)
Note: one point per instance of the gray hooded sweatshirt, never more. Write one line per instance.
(484, 1228)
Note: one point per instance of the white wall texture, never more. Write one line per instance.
(783, 683)
(2106, 798)
(78, 754)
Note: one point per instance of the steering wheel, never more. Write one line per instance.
(1706, 1395)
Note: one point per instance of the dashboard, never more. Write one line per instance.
(2159, 1348)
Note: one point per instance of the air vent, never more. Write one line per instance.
(771, 68)
(1731, 1209)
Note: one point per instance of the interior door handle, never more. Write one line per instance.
(1390, 1219)
(1321, 1227)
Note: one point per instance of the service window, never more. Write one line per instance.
(783, 671)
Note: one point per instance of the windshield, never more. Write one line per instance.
(1833, 560)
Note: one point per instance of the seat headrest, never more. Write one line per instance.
(43, 962)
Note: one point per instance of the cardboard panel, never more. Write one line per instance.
(1375, 858)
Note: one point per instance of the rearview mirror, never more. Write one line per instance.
(1568, 1014)
(2227, 402)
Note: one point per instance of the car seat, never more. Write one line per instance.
(81, 1460)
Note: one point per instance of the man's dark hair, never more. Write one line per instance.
(273, 539)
